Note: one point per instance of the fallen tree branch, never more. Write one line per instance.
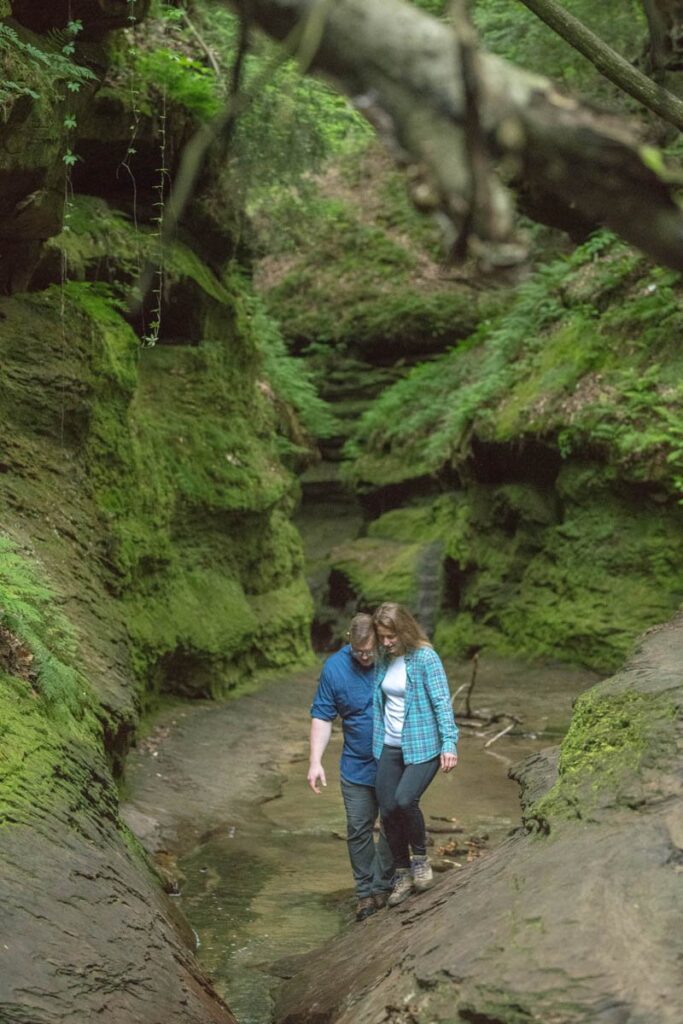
(503, 732)
(402, 68)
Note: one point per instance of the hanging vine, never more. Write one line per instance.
(151, 335)
(70, 123)
(134, 127)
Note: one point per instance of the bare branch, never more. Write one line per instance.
(210, 55)
(608, 62)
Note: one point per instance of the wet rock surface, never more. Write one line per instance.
(87, 933)
(576, 922)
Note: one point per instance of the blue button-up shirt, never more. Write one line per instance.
(345, 690)
(429, 727)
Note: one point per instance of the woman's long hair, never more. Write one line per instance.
(399, 620)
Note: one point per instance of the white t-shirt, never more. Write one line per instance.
(394, 689)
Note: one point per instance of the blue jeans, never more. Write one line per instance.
(371, 863)
(399, 788)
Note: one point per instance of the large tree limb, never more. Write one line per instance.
(608, 62)
(403, 67)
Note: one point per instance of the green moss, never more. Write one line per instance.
(180, 79)
(186, 504)
(414, 524)
(197, 507)
(283, 619)
(36, 67)
(585, 357)
(43, 749)
(32, 619)
(354, 279)
(579, 587)
(100, 243)
(456, 635)
(29, 751)
(614, 737)
(199, 608)
(366, 317)
(47, 705)
(379, 570)
(548, 373)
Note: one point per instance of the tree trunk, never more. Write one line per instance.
(665, 20)
(404, 70)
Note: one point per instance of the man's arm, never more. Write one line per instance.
(320, 737)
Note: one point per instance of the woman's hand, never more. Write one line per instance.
(448, 761)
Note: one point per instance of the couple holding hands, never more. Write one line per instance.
(389, 688)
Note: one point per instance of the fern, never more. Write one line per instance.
(293, 384)
(28, 610)
(31, 71)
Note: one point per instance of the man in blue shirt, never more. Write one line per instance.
(345, 689)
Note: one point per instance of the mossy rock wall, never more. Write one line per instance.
(176, 481)
(544, 455)
(146, 542)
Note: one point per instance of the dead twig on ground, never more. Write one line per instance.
(503, 732)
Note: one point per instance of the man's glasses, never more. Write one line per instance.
(368, 653)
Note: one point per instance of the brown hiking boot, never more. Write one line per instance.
(380, 899)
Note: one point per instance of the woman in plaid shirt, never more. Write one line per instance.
(414, 734)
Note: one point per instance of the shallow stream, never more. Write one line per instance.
(262, 865)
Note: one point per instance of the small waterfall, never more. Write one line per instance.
(429, 586)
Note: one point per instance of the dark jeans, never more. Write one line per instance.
(371, 862)
(399, 788)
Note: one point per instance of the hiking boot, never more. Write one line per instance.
(403, 886)
(380, 899)
(421, 870)
(365, 908)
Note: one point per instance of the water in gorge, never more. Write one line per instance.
(261, 868)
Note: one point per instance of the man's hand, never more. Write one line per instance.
(316, 773)
(448, 761)
(320, 737)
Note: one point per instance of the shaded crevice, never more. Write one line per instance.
(528, 461)
(383, 499)
(340, 592)
(454, 582)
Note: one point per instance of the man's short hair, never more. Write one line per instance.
(361, 628)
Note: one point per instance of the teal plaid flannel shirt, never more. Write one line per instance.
(429, 727)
